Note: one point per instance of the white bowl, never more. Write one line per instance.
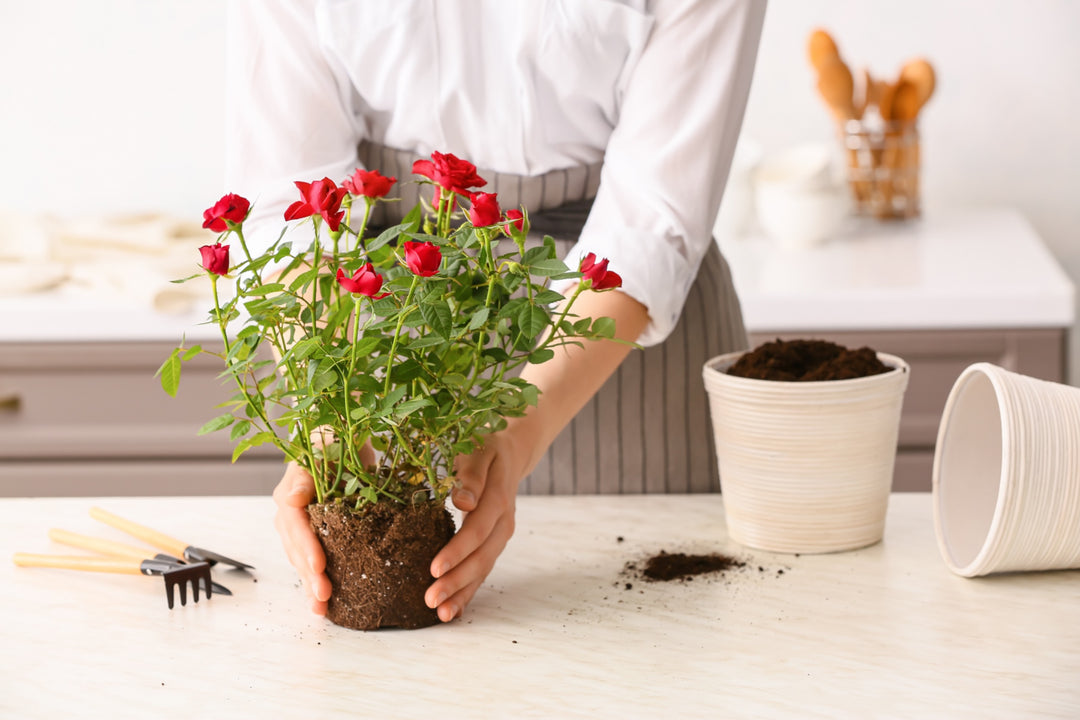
(799, 218)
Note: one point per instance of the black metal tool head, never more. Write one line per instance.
(218, 587)
(197, 555)
(178, 576)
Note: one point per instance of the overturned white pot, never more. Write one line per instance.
(806, 467)
(1007, 474)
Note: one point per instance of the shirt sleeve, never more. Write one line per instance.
(289, 113)
(669, 155)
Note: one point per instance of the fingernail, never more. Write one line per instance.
(465, 496)
(438, 571)
(298, 490)
(439, 599)
(311, 563)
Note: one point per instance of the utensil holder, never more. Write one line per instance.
(883, 162)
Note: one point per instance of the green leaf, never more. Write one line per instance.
(532, 320)
(192, 352)
(265, 289)
(239, 430)
(170, 373)
(304, 348)
(393, 396)
(253, 441)
(410, 406)
(535, 254)
(219, 423)
(536, 357)
(548, 267)
(547, 297)
(352, 486)
(604, 327)
(368, 493)
(426, 342)
(479, 318)
(437, 316)
(323, 381)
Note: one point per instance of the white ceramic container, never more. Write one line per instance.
(1006, 480)
(805, 467)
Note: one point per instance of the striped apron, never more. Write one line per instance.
(647, 430)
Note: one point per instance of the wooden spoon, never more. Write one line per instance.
(822, 49)
(867, 95)
(837, 86)
(920, 74)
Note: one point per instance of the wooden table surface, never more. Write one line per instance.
(560, 629)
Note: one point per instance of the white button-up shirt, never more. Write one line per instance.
(654, 88)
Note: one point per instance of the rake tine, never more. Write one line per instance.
(179, 577)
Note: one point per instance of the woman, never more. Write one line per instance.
(614, 123)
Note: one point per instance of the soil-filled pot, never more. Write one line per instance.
(805, 467)
(379, 561)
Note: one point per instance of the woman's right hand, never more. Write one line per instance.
(292, 496)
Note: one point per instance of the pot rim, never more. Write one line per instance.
(715, 367)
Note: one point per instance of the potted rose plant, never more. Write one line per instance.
(375, 360)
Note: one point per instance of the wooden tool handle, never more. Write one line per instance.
(158, 540)
(80, 562)
(108, 547)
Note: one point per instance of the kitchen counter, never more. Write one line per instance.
(559, 630)
(965, 269)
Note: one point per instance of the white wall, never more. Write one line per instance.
(115, 105)
(1004, 125)
(111, 106)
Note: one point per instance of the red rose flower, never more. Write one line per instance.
(449, 172)
(516, 221)
(215, 258)
(364, 281)
(597, 272)
(485, 209)
(422, 258)
(322, 197)
(369, 183)
(231, 208)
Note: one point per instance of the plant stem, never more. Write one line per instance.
(397, 333)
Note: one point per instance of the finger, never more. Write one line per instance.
(455, 606)
(473, 570)
(296, 488)
(475, 530)
(471, 472)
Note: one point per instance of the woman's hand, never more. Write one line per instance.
(487, 493)
(293, 494)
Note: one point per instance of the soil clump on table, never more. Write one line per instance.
(807, 361)
(379, 562)
(666, 567)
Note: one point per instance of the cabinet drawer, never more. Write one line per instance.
(78, 478)
(102, 400)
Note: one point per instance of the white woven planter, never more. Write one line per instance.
(805, 467)
(1007, 474)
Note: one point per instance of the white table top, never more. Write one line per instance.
(980, 268)
(886, 631)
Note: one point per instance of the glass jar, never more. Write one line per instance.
(883, 163)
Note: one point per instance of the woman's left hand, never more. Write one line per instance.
(486, 494)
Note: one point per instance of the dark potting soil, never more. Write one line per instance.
(379, 562)
(675, 566)
(806, 361)
(665, 566)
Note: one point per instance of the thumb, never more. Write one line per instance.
(470, 473)
(300, 486)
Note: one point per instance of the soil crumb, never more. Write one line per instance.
(807, 361)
